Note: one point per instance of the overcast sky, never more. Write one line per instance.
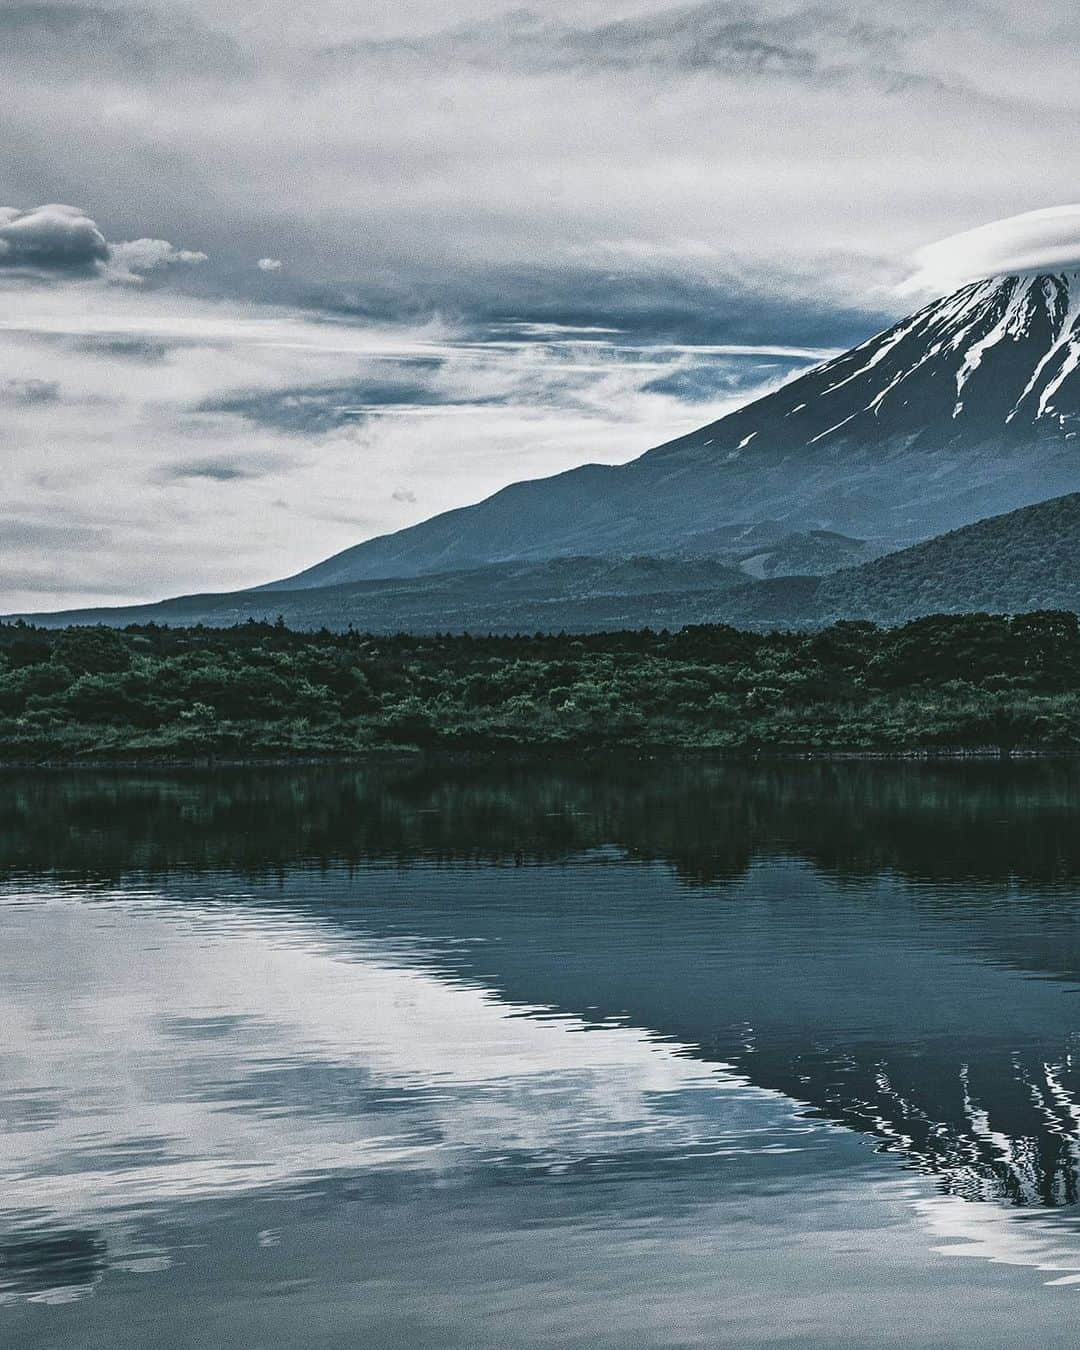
(276, 277)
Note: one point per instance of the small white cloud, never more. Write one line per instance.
(403, 495)
(131, 260)
(1037, 241)
(270, 264)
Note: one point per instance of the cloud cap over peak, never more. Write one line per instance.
(1047, 240)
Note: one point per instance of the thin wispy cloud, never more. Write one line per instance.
(251, 440)
(721, 37)
(29, 391)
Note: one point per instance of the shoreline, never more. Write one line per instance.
(526, 755)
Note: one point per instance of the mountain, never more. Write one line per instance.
(1027, 559)
(815, 553)
(575, 594)
(968, 408)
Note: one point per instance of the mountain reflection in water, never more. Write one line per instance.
(472, 993)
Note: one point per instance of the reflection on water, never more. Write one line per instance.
(654, 1055)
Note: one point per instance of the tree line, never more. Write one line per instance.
(261, 690)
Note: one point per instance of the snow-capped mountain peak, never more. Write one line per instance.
(997, 357)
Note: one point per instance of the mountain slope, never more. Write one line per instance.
(1027, 559)
(968, 408)
(575, 594)
(1023, 560)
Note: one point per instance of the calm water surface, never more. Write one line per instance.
(631, 1055)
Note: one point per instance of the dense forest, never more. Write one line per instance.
(262, 690)
(1028, 559)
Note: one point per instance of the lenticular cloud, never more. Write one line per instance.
(1037, 241)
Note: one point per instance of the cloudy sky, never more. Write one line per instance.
(276, 277)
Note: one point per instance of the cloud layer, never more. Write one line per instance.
(465, 156)
(714, 37)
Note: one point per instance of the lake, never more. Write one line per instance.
(608, 1055)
